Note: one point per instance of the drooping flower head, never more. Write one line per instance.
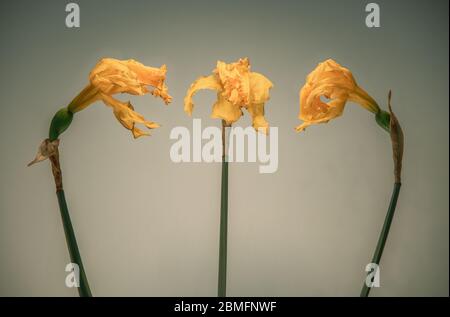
(237, 87)
(111, 76)
(336, 83)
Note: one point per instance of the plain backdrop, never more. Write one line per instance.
(149, 227)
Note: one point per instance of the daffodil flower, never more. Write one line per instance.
(336, 83)
(237, 87)
(111, 76)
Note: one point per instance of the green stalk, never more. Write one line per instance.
(222, 280)
(384, 233)
(75, 257)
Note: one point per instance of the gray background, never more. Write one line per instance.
(149, 227)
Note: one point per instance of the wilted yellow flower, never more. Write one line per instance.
(111, 76)
(237, 87)
(336, 83)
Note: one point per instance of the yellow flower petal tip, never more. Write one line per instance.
(112, 76)
(301, 127)
(237, 87)
(331, 81)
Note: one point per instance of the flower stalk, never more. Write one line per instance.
(336, 83)
(397, 140)
(109, 77)
(223, 235)
(383, 235)
(237, 88)
(75, 256)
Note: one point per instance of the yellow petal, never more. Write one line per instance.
(126, 115)
(256, 110)
(331, 69)
(223, 109)
(235, 80)
(209, 82)
(327, 112)
(147, 75)
(152, 76)
(303, 126)
(138, 132)
(259, 88)
(111, 76)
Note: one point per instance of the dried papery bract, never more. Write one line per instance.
(397, 140)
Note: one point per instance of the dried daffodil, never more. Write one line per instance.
(108, 78)
(111, 76)
(237, 87)
(336, 83)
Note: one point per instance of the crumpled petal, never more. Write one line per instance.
(235, 80)
(259, 88)
(259, 94)
(126, 115)
(225, 110)
(205, 82)
(256, 110)
(330, 110)
(330, 69)
(46, 149)
(112, 76)
(151, 76)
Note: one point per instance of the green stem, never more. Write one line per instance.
(75, 256)
(384, 233)
(222, 281)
